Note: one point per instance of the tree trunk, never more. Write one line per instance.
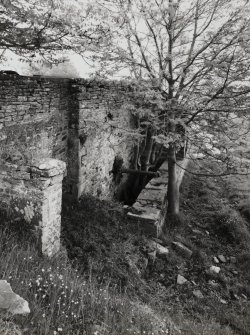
(173, 187)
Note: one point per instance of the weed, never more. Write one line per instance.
(102, 281)
(64, 301)
(229, 226)
(8, 327)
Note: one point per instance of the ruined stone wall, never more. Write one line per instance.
(33, 118)
(50, 128)
(149, 210)
(76, 121)
(100, 134)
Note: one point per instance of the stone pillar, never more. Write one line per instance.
(34, 193)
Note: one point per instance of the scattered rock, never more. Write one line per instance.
(235, 272)
(222, 258)
(163, 251)
(198, 294)
(157, 248)
(244, 296)
(11, 302)
(182, 249)
(214, 269)
(223, 301)
(181, 280)
(197, 231)
(213, 283)
(236, 297)
(215, 259)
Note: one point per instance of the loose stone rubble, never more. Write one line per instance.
(214, 269)
(198, 294)
(182, 249)
(222, 258)
(181, 280)
(215, 259)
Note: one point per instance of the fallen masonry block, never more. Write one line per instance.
(163, 251)
(214, 269)
(181, 280)
(11, 302)
(182, 249)
(198, 294)
(215, 259)
(222, 258)
(154, 246)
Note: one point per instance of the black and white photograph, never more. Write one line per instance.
(124, 167)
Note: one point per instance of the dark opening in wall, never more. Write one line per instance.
(82, 138)
(129, 187)
(116, 169)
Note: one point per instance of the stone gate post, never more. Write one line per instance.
(34, 193)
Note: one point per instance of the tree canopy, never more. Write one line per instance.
(192, 59)
(189, 60)
(48, 27)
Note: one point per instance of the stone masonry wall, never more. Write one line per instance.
(71, 120)
(99, 135)
(33, 118)
(47, 124)
(76, 128)
(149, 210)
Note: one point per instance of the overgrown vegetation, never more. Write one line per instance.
(105, 280)
(190, 61)
(65, 300)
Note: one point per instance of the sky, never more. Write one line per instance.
(76, 67)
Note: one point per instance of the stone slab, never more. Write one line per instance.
(11, 302)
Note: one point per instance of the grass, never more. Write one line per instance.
(104, 282)
(64, 300)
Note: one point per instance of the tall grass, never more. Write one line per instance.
(63, 301)
(116, 289)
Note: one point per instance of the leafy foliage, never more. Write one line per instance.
(47, 27)
(191, 59)
(191, 56)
